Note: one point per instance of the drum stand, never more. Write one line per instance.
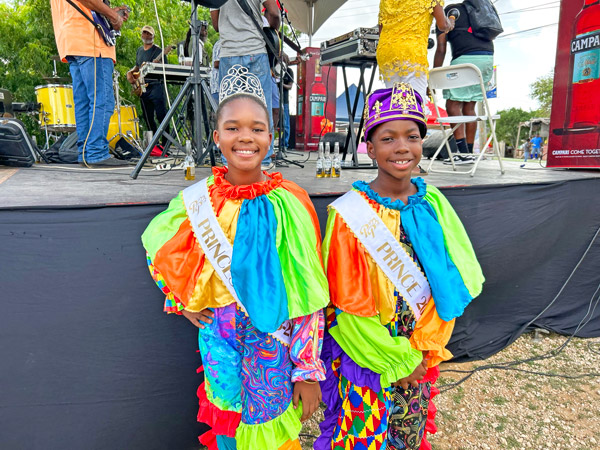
(120, 133)
(193, 91)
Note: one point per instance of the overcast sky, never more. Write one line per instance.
(521, 57)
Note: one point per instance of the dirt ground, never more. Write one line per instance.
(533, 408)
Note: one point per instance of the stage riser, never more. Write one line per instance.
(90, 361)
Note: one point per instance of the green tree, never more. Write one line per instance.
(508, 125)
(27, 44)
(541, 90)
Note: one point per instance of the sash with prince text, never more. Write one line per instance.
(217, 248)
(386, 251)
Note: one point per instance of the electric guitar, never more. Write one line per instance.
(273, 37)
(138, 85)
(104, 28)
(101, 23)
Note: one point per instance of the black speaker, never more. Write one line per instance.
(16, 147)
(332, 138)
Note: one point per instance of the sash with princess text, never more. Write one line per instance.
(217, 248)
(385, 250)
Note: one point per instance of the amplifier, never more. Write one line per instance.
(355, 47)
(173, 72)
(16, 147)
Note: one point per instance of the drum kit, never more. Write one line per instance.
(57, 112)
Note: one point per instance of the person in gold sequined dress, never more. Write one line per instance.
(403, 34)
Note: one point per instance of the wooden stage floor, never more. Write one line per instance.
(71, 185)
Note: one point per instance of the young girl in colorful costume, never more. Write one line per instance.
(401, 269)
(243, 247)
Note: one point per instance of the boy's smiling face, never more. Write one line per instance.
(397, 147)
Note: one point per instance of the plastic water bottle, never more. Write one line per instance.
(336, 170)
(320, 173)
(188, 163)
(327, 164)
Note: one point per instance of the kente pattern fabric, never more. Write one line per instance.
(248, 372)
(410, 19)
(372, 337)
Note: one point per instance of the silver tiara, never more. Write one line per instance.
(240, 81)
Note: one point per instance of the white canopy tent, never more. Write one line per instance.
(309, 15)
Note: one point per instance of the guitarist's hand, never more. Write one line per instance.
(123, 11)
(116, 21)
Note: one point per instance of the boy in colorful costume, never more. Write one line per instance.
(401, 268)
(266, 291)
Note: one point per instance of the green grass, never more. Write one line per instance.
(499, 400)
(459, 395)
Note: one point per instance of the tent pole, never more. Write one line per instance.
(310, 23)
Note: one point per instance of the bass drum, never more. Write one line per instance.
(57, 108)
(130, 126)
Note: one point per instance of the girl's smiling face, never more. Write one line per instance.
(243, 134)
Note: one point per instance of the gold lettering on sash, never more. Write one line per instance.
(194, 207)
(368, 229)
(221, 258)
(394, 262)
(422, 304)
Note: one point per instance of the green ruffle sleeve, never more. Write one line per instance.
(370, 345)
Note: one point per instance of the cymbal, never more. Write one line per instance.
(56, 79)
(55, 58)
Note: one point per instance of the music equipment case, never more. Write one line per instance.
(16, 147)
(354, 47)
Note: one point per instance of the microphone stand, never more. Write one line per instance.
(192, 91)
(280, 159)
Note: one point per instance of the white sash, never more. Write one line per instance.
(387, 252)
(217, 248)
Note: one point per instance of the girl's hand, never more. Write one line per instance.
(198, 318)
(310, 394)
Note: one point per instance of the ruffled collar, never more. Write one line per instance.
(387, 202)
(247, 192)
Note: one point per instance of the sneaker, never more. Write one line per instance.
(110, 162)
(461, 159)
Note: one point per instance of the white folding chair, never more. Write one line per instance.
(462, 75)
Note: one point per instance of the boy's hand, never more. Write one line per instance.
(198, 318)
(310, 394)
(414, 377)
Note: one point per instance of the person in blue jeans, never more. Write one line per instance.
(526, 151)
(91, 63)
(536, 146)
(242, 43)
(92, 112)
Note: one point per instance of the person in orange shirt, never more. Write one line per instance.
(91, 63)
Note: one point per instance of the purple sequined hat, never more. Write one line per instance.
(398, 103)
